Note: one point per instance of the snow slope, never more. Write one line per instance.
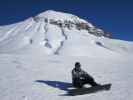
(37, 55)
(59, 33)
(36, 77)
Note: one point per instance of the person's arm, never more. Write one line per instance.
(75, 74)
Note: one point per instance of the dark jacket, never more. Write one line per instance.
(79, 77)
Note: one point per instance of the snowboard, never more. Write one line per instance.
(82, 91)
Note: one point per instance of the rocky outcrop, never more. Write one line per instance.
(79, 25)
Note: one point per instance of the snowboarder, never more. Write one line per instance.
(80, 77)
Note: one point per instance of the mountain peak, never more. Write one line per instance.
(69, 20)
(56, 15)
(60, 17)
(51, 30)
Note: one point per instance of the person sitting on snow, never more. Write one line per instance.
(80, 77)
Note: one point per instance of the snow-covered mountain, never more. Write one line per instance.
(59, 33)
(38, 54)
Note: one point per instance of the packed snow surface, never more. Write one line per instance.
(38, 54)
(39, 77)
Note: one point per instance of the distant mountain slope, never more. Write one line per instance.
(60, 33)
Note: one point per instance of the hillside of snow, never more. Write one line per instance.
(38, 77)
(59, 33)
(38, 54)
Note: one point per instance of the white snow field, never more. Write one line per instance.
(38, 54)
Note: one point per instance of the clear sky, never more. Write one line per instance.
(114, 16)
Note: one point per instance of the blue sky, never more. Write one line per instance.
(114, 16)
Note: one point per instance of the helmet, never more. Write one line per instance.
(77, 65)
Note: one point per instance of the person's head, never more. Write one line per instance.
(77, 65)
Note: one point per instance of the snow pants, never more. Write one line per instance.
(79, 82)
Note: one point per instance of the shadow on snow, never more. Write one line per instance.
(71, 91)
(56, 84)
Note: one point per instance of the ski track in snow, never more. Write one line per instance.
(62, 42)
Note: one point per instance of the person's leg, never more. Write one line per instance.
(91, 81)
(77, 83)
